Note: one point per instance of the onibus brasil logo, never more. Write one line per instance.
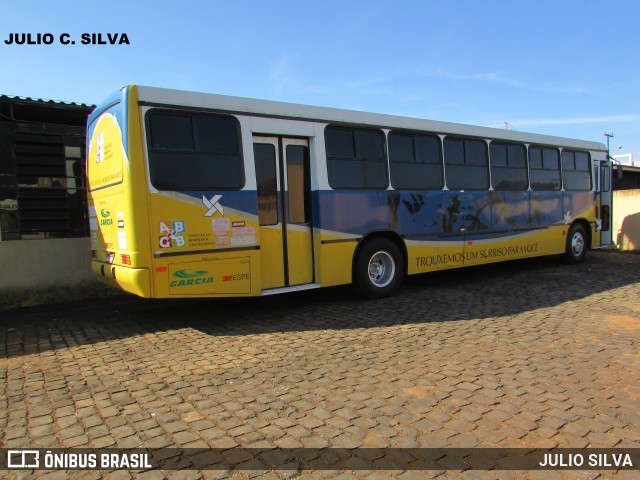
(188, 278)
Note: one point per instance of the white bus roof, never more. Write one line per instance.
(268, 108)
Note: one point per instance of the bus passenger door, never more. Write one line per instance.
(606, 207)
(284, 208)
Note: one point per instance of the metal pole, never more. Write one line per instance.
(609, 137)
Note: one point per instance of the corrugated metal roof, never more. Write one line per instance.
(43, 101)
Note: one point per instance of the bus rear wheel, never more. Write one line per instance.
(576, 244)
(378, 269)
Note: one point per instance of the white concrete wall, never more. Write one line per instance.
(42, 271)
(626, 219)
(45, 263)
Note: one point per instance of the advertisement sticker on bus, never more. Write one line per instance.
(172, 234)
(106, 153)
(224, 276)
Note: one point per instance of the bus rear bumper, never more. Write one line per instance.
(133, 280)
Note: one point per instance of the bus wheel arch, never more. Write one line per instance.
(578, 242)
(587, 228)
(379, 264)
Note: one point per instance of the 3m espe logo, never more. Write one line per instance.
(188, 278)
(237, 277)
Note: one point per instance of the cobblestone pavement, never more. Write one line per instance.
(524, 354)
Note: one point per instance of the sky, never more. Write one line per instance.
(566, 68)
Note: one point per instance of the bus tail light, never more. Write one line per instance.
(125, 259)
(94, 254)
(110, 257)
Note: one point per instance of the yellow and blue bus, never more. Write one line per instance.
(202, 195)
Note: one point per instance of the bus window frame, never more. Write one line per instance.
(558, 169)
(354, 129)
(526, 165)
(413, 134)
(487, 166)
(193, 113)
(589, 163)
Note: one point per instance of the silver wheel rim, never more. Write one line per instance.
(382, 269)
(577, 244)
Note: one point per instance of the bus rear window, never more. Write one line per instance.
(189, 151)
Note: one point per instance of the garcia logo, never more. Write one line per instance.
(105, 214)
(188, 278)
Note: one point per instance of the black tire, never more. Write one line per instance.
(576, 244)
(378, 269)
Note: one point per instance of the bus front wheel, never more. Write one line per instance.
(378, 269)
(576, 244)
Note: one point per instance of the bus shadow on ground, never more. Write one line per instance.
(496, 290)
(475, 293)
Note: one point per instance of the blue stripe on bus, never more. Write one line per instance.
(426, 213)
(423, 214)
(242, 200)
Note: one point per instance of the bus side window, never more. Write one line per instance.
(576, 174)
(466, 164)
(508, 167)
(189, 151)
(415, 161)
(544, 168)
(356, 158)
